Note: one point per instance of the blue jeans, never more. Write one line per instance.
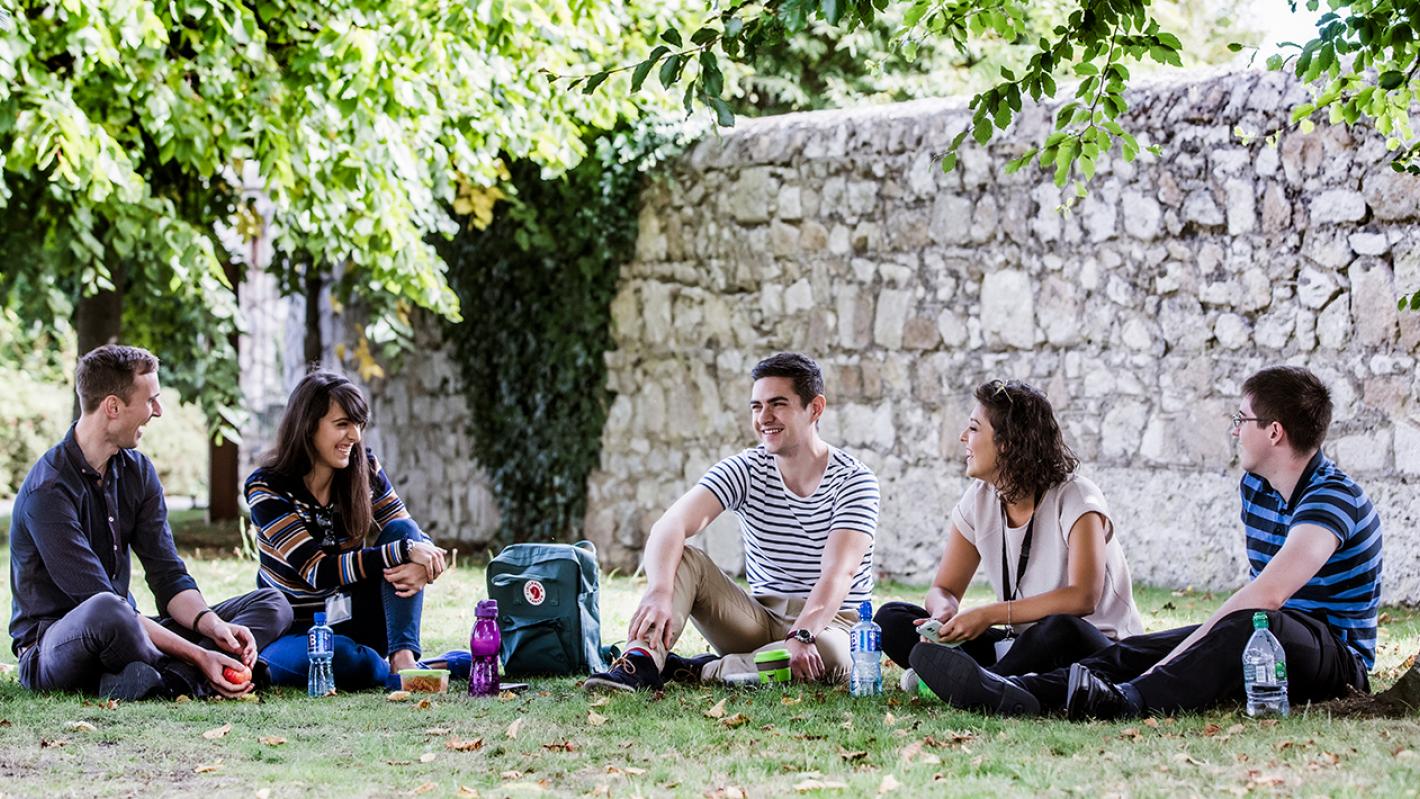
(380, 624)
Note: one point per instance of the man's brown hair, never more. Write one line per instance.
(110, 369)
(1296, 398)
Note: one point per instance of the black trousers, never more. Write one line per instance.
(1051, 643)
(1319, 666)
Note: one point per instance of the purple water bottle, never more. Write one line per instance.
(484, 643)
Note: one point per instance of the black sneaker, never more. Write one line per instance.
(630, 672)
(680, 669)
(1090, 696)
(960, 682)
(137, 681)
(183, 679)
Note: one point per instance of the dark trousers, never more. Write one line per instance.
(103, 634)
(1319, 666)
(1050, 643)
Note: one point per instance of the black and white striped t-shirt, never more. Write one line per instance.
(785, 534)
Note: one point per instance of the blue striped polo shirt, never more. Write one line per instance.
(1346, 591)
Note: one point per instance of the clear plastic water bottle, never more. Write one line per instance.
(484, 643)
(1265, 671)
(866, 640)
(320, 650)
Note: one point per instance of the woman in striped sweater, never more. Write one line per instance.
(315, 503)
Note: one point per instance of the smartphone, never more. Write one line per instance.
(515, 687)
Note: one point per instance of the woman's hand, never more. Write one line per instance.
(408, 579)
(429, 556)
(967, 625)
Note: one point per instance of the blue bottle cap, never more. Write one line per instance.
(865, 610)
(320, 619)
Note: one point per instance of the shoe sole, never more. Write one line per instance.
(596, 683)
(958, 680)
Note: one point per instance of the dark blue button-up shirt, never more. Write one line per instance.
(71, 532)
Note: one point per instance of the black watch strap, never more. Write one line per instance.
(803, 636)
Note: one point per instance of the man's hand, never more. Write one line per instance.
(652, 620)
(408, 579)
(212, 663)
(965, 625)
(429, 556)
(234, 639)
(804, 660)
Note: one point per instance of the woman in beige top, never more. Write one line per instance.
(1044, 537)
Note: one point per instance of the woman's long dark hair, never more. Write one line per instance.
(1032, 455)
(295, 450)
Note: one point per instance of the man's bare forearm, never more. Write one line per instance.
(664, 548)
(184, 607)
(169, 642)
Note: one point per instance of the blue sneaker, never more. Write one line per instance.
(459, 662)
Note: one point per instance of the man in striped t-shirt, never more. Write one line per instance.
(1314, 554)
(808, 513)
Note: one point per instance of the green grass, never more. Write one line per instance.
(363, 745)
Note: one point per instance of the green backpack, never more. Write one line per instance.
(548, 609)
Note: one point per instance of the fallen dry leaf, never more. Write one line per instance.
(1131, 733)
(819, 785)
(208, 768)
(786, 700)
(511, 774)
(726, 792)
(455, 745)
(81, 726)
(398, 762)
(467, 792)
(1152, 724)
(427, 757)
(600, 702)
(180, 698)
(398, 696)
(437, 731)
(217, 732)
(888, 785)
(515, 727)
(507, 696)
(46, 743)
(889, 720)
(595, 719)
(271, 740)
(1210, 729)
(735, 721)
(5, 723)
(560, 746)
(425, 704)
(851, 756)
(1184, 757)
(424, 788)
(718, 711)
(249, 697)
(1235, 729)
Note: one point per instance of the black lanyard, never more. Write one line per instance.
(1006, 591)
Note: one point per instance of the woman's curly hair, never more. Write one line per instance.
(1032, 452)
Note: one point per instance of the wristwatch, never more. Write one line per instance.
(802, 636)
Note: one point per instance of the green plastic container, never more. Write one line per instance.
(773, 666)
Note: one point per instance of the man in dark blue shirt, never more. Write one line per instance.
(83, 506)
(1314, 551)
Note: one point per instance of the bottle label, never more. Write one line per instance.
(1264, 675)
(1281, 671)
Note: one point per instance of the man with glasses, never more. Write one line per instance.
(1314, 556)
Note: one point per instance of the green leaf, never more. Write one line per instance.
(594, 81)
(670, 70)
(832, 11)
(704, 36)
(1391, 79)
(672, 36)
(949, 162)
(1236, 47)
(643, 69)
(724, 117)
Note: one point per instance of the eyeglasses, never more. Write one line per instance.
(1238, 419)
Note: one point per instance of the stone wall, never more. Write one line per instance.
(1140, 312)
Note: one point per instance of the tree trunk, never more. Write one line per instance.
(223, 460)
(98, 318)
(314, 346)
